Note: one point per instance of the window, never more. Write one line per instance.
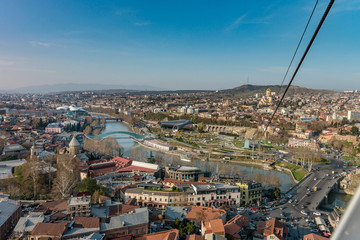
(137, 231)
(143, 230)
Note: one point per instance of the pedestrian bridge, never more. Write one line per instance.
(131, 134)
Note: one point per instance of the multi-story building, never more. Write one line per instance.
(352, 115)
(215, 195)
(251, 193)
(135, 223)
(201, 195)
(10, 213)
(54, 128)
(154, 195)
(79, 206)
(307, 143)
(184, 173)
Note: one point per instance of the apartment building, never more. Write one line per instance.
(251, 193)
(79, 206)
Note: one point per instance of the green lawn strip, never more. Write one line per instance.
(299, 172)
(239, 144)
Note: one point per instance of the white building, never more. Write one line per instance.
(353, 116)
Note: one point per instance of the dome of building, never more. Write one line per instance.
(74, 142)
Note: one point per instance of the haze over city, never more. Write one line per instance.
(176, 44)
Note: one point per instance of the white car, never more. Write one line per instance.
(317, 213)
(303, 212)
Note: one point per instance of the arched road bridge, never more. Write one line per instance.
(104, 135)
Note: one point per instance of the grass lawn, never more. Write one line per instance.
(353, 160)
(299, 172)
(239, 144)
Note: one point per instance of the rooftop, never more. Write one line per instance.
(79, 200)
(7, 208)
(140, 216)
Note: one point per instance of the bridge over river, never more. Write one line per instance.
(107, 134)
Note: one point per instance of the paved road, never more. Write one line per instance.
(323, 179)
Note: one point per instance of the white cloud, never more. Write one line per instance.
(242, 20)
(235, 23)
(42, 44)
(139, 24)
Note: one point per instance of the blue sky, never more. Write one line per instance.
(176, 44)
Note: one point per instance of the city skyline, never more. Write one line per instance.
(177, 45)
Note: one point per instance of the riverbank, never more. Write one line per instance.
(133, 129)
(246, 163)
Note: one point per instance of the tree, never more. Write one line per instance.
(90, 185)
(151, 158)
(88, 130)
(355, 131)
(64, 183)
(277, 193)
(87, 185)
(190, 228)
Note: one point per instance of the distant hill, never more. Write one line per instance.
(249, 90)
(77, 87)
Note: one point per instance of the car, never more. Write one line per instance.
(303, 212)
(317, 213)
(290, 201)
(302, 206)
(315, 179)
(241, 209)
(314, 230)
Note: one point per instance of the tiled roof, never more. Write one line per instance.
(208, 213)
(194, 237)
(51, 229)
(313, 236)
(135, 168)
(217, 226)
(86, 222)
(165, 235)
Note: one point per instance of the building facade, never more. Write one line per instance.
(10, 213)
(79, 206)
(251, 193)
(184, 173)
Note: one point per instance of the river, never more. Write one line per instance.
(339, 199)
(128, 145)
